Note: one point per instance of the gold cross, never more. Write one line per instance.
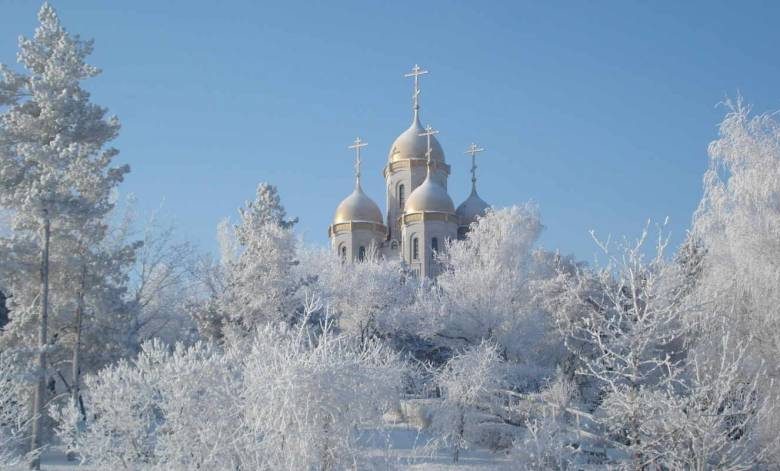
(357, 145)
(416, 73)
(429, 131)
(473, 150)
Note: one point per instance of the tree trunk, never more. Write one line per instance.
(40, 390)
(3, 311)
(461, 430)
(75, 389)
(76, 372)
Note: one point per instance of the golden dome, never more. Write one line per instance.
(357, 207)
(410, 145)
(429, 197)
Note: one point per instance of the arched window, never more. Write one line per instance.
(361, 253)
(401, 196)
(343, 252)
(435, 244)
(415, 249)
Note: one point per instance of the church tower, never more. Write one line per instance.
(406, 165)
(357, 230)
(428, 220)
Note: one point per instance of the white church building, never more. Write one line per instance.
(420, 214)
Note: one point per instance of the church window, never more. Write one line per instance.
(361, 253)
(343, 252)
(401, 196)
(435, 244)
(415, 249)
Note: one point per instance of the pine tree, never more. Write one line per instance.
(55, 171)
(255, 279)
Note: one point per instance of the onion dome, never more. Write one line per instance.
(411, 145)
(473, 207)
(429, 196)
(357, 207)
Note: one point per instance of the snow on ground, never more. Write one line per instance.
(400, 447)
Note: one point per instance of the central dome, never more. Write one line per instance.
(357, 207)
(429, 196)
(410, 145)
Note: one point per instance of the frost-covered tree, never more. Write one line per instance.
(623, 322)
(549, 440)
(254, 282)
(365, 297)
(737, 231)
(486, 291)
(470, 383)
(652, 397)
(14, 415)
(161, 278)
(485, 277)
(55, 171)
(265, 209)
(290, 401)
(737, 225)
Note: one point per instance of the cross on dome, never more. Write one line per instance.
(416, 72)
(357, 145)
(429, 131)
(473, 150)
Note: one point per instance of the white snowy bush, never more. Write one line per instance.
(486, 291)
(660, 402)
(549, 441)
(469, 383)
(290, 402)
(364, 297)
(14, 412)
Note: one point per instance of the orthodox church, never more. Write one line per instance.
(420, 214)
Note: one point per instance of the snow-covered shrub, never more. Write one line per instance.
(548, 441)
(364, 297)
(486, 291)
(669, 393)
(418, 412)
(469, 385)
(723, 417)
(306, 401)
(291, 402)
(14, 413)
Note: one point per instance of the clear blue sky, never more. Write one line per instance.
(600, 112)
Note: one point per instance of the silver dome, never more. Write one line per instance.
(410, 145)
(473, 207)
(429, 196)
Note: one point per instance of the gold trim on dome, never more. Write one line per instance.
(407, 164)
(411, 218)
(351, 226)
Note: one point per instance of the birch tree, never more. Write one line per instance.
(665, 395)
